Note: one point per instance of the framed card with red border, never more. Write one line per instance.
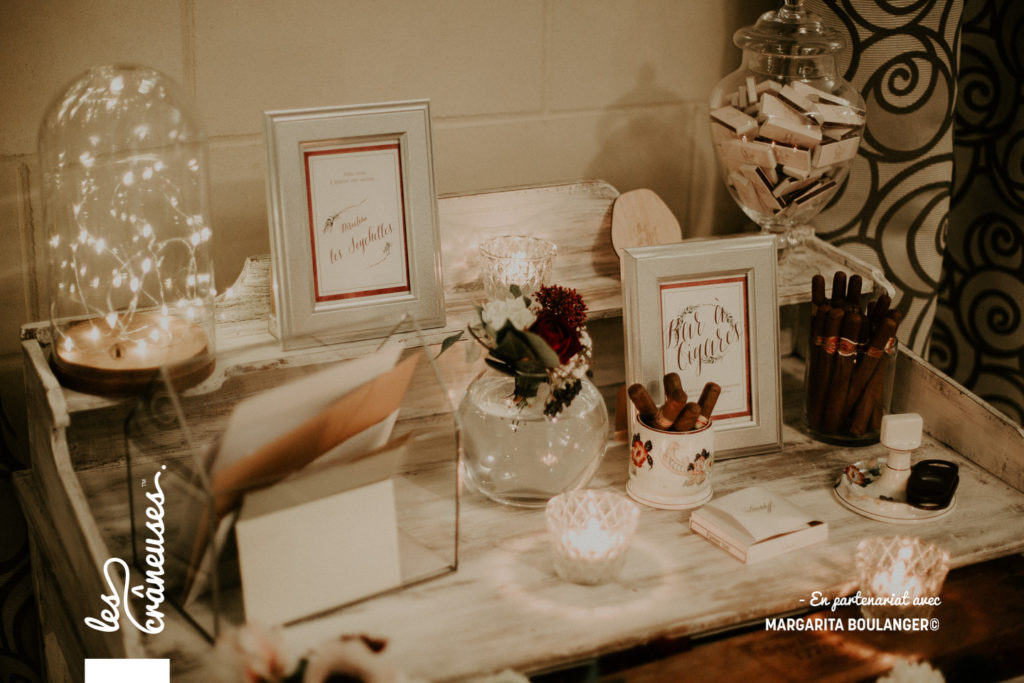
(354, 234)
(707, 310)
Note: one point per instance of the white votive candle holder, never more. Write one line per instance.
(900, 577)
(519, 260)
(590, 533)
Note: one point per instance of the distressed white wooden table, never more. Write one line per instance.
(505, 607)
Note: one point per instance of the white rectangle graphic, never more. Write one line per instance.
(127, 671)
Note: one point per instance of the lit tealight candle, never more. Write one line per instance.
(590, 532)
(900, 577)
(592, 541)
(518, 260)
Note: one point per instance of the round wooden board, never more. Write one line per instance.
(640, 218)
(94, 366)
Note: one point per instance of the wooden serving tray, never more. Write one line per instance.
(505, 607)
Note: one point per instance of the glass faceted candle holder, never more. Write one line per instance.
(519, 260)
(785, 126)
(905, 575)
(590, 533)
(125, 206)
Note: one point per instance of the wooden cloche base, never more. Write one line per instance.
(99, 361)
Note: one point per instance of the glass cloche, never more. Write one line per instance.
(785, 125)
(125, 205)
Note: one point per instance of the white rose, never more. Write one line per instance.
(496, 313)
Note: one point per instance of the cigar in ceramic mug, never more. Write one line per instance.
(645, 406)
(708, 399)
(687, 418)
(669, 410)
(674, 386)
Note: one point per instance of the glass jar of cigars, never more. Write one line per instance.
(785, 126)
(850, 360)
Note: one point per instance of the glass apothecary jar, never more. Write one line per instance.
(785, 126)
(125, 207)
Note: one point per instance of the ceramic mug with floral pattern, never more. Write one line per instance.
(670, 470)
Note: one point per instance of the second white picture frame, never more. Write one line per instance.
(707, 309)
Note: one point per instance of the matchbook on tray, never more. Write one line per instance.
(754, 524)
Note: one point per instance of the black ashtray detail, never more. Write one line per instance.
(932, 484)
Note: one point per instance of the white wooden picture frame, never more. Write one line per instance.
(708, 310)
(354, 235)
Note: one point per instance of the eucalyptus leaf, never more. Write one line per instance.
(449, 342)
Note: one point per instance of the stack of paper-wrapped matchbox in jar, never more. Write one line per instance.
(784, 149)
(785, 125)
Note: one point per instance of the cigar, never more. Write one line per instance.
(674, 387)
(817, 293)
(819, 389)
(838, 287)
(864, 410)
(815, 351)
(708, 399)
(688, 418)
(668, 412)
(846, 356)
(864, 338)
(643, 402)
(867, 411)
(879, 311)
(853, 287)
(867, 365)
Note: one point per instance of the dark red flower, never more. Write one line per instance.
(564, 303)
(564, 340)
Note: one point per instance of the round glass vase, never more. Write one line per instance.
(515, 454)
(785, 126)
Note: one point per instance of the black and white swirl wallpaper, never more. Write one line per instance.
(893, 210)
(936, 195)
(978, 336)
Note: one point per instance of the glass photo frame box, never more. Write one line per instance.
(349, 493)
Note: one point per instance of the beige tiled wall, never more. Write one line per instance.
(523, 92)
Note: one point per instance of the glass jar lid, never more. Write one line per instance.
(790, 30)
